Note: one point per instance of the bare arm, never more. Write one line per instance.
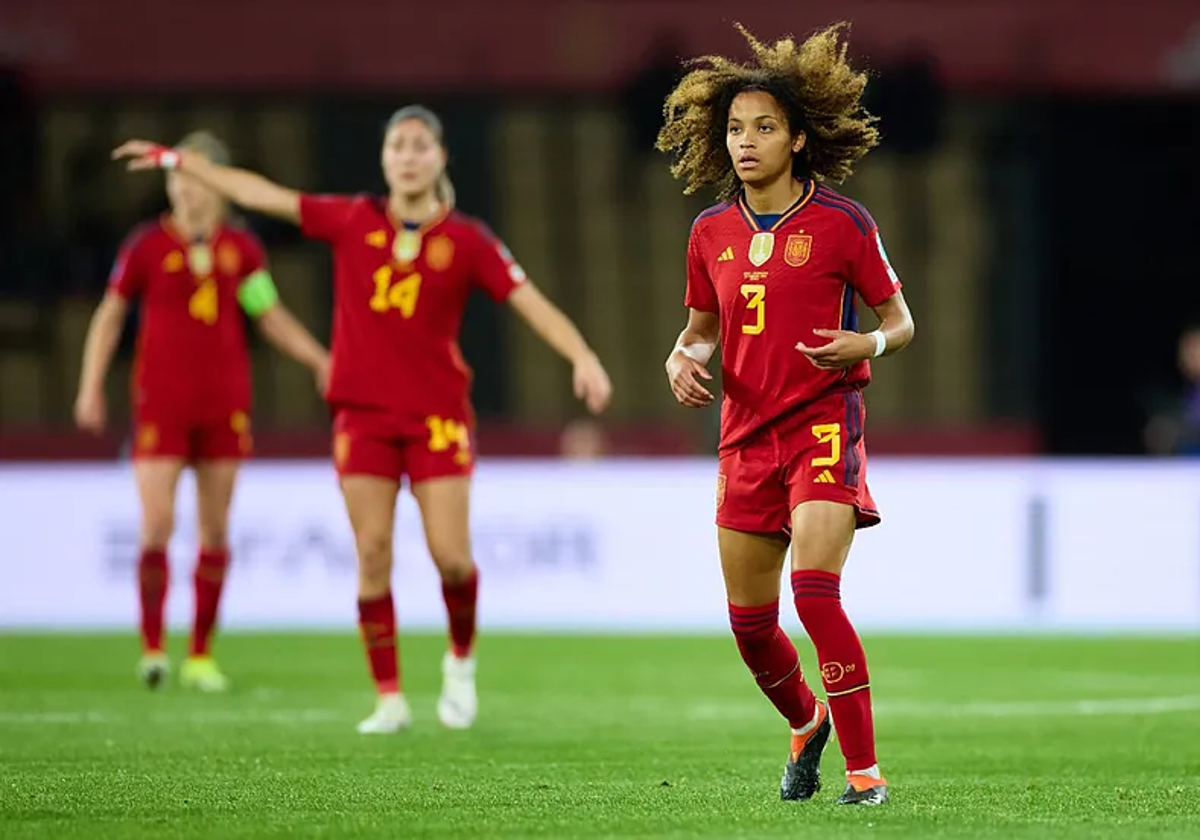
(287, 335)
(241, 186)
(591, 382)
(846, 348)
(896, 323)
(103, 333)
(688, 360)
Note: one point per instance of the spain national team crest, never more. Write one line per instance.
(147, 438)
(798, 249)
(341, 449)
(229, 259)
(439, 253)
(200, 259)
(720, 491)
(761, 248)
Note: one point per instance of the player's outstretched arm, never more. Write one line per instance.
(591, 381)
(688, 360)
(845, 348)
(103, 333)
(245, 188)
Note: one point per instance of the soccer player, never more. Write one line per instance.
(772, 271)
(192, 270)
(404, 265)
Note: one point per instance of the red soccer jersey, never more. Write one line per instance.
(772, 286)
(192, 360)
(399, 297)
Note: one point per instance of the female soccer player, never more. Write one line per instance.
(772, 272)
(399, 390)
(192, 270)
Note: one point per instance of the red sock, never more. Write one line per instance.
(152, 589)
(377, 621)
(460, 607)
(773, 660)
(843, 663)
(209, 580)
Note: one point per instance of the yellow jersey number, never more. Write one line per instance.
(756, 301)
(446, 434)
(202, 305)
(391, 293)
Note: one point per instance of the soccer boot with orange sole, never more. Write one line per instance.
(802, 775)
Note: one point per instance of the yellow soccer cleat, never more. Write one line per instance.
(202, 673)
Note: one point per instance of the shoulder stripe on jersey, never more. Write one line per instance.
(715, 210)
(855, 217)
(853, 208)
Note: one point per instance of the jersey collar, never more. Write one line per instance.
(810, 189)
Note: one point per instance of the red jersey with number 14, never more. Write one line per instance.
(399, 297)
(772, 286)
(192, 358)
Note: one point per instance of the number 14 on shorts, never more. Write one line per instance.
(446, 434)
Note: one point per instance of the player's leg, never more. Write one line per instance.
(827, 487)
(157, 479)
(751, 517)
(215, 481)
(445, 512)
(370, 466)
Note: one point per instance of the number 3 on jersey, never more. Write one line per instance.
(756, 301)
(401, 294)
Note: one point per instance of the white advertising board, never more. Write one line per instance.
(628, 545)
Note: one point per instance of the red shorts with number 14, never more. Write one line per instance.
(375, 443)
(816, 453)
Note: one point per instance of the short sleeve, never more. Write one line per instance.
(254, 255)
(496, 272)
(701, 294)
(128, 276)
(325, 217)
(871, 274)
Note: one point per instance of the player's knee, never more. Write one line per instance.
(374, 563)
(453, 561)
(157, 528)
(213, 536)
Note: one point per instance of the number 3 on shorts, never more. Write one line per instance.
(828, 433)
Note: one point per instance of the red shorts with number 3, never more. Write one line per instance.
(816, 453)
(372, 443)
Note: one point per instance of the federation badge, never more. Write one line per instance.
(761, 248)
(229, 259)
(798, 249)
(406, 246)
(439, 253)
(200, 259)
(720, 490)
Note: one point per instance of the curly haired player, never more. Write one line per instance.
(772, 272)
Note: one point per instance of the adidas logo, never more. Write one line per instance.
(826, 477)
(726, 255)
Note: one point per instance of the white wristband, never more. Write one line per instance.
(880, 343)
(169, 160)
(700, 352)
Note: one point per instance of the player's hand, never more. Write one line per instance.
(844, 349)
(592, 384)
(684, 374)
(321, 375)
(90, 411)
(142, 154)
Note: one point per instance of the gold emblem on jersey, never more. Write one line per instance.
(172, 262)
(439, 253)
(761, 247)
(798, 249)
(200, 259)
(229, 259)
(406, 246)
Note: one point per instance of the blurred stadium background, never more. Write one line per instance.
(1039, 192)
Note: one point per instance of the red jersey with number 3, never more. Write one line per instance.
(192, 359)
(399, 301)
(772, 286)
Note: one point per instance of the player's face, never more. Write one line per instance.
(413, 159)
(190, 198)
(757, 136)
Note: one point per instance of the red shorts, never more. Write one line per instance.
(229, 438)
(372, 443)
(817, 453)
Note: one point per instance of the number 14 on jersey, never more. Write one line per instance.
(395, 294)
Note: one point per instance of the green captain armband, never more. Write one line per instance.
(257, 294)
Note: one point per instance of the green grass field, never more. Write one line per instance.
(596, 737)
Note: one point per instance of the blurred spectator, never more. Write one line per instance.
(1174, 425)
(582, 440)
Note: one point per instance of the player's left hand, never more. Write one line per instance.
(592, 384)
(142, 154)
(845, 348)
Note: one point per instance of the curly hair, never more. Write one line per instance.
(815, 86)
